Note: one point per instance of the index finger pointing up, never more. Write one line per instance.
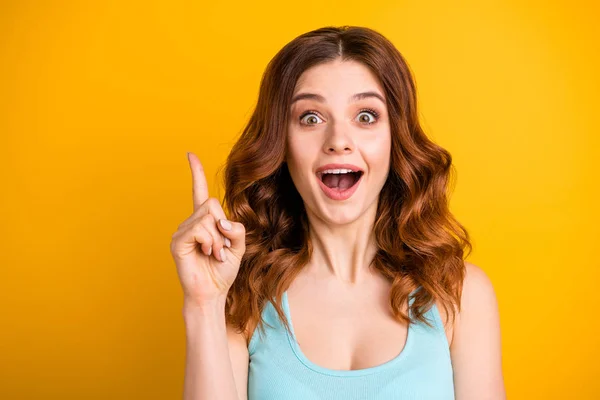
(200, 187)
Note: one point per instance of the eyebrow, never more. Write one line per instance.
(355, 97)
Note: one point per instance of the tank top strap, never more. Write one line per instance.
(434, 317)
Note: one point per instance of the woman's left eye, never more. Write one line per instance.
(367, 112)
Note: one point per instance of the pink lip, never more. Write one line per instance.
(335, 194)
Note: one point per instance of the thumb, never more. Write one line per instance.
(236, 232)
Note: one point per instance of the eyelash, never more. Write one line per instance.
(369, 110)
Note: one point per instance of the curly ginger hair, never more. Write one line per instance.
(420, 242)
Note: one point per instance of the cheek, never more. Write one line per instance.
(377, 157)
(378, 150)
(299, 158)
(301, 148)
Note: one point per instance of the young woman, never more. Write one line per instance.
(327, 277)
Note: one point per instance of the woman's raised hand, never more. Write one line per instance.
(207, 248)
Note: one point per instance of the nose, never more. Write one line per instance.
(338, 141)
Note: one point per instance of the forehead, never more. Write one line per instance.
(338, 79)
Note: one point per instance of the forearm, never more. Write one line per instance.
(208, 370)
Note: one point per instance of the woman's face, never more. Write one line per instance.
(330, 124)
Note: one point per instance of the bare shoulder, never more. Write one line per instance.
(478, 297)
(476, 343)
(476, 287)
(477, 282)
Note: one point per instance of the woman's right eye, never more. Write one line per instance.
(311, 120)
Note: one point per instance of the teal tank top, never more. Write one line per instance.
(278, 370)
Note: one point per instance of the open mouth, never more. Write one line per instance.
(340, 182)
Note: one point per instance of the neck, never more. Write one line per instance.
(343, 252)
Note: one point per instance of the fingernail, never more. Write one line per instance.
(225, 224)
(210, 250)
(223, 256)
(227, 242)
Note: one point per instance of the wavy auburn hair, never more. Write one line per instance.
(420, 243)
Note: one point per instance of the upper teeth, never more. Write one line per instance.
(336, 171)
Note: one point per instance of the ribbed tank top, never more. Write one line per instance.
(278, 369)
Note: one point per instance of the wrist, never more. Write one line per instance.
(192, 308)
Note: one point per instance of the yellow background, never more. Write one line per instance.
(100, 101)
